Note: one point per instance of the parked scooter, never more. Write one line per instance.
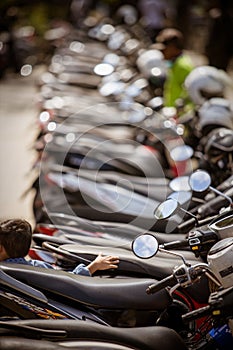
(176, 222)
(71, 246)
(28, 316)
(96, 299)
(184, 276)
(65, 247)
(58, 335)
(25, 313)
(206, 333)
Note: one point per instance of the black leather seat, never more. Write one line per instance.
(124, 293)
(146, 338)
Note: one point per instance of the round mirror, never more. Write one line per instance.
(199, 181)
(180, 183)
(181, 153)
(145, 246)
(103, 69)
(180, 196)
(111, 58)
(112, 88)
(166, 209)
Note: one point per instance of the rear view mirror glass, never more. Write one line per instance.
(166, 209)
(199, 181)
(145, 246)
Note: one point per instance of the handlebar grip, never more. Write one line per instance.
(176, 244)
(226, 184)
(214, 205)
(187, 225)
(156, 287)
(193, 315)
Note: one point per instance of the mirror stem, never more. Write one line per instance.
(222, 194)
(172, 253)
(191, 214)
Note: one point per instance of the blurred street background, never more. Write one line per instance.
(18, 131)
(18, 89)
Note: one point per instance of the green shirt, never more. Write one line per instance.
(174, 84)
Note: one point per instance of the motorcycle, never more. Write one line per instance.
(176, 222)
(96, 299)
(35, 278)
(60, 335)
(26, 313)
(207, 333)
(75, 247)
(184, 297)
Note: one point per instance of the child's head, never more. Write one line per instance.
(15, 238)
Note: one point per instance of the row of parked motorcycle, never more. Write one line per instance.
(120, 173)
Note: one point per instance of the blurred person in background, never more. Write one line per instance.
(179, 65)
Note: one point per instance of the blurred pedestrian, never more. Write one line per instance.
(179, 64)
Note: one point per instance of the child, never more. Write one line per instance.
(15, 242)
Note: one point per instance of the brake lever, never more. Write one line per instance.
(186, 275)
(182, 274)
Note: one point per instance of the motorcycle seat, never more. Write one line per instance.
(159, 266)
(124, 293)
(147, 338)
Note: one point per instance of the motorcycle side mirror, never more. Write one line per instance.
(181, 153)
(165, 209)
(180, 196)
(180, 183)
(103, 69)
(200, 181)
(169, 207)
(145, 246)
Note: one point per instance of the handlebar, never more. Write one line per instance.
(226, 184)
(156, 287)
(175, 244)
(183, 275)
(219, 305)
(190, 223)
(214, 205)
(187, 225)
(193, 315)
(56, 249)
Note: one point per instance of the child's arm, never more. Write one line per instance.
(103, 263)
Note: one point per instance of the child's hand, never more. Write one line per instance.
(103, 263)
